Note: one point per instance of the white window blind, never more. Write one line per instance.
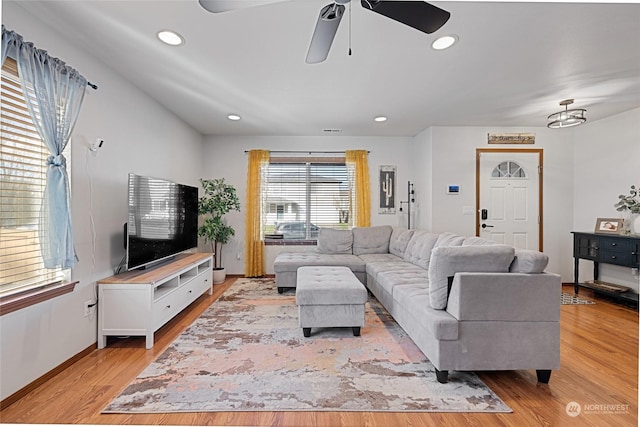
(303, 196)
(22, 181)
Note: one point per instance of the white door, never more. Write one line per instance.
(509, 202)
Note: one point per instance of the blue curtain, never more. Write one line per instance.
(59, 91)
(9, 41)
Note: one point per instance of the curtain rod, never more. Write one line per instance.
(306, 152)
(92, 86)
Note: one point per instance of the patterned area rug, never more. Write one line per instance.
(247, 353)
(568, 299)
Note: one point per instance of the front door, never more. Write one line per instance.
(509, 196)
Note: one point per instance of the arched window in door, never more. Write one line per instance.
(508, 169)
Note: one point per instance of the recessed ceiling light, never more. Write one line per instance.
(234, 117)
(380, 119)
(444, 42)
(170, 37)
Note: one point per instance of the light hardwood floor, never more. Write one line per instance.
(599, 371)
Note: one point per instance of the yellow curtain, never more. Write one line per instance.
(357, 159)
(258, 163)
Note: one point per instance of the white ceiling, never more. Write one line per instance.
(512, 66)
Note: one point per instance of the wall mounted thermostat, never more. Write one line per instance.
(453, 189)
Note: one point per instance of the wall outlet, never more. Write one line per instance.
(87, 308)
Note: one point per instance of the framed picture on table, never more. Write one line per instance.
(608, 225)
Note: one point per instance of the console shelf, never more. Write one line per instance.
(139, 302)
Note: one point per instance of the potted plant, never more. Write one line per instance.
(631, 203)
(219, 198)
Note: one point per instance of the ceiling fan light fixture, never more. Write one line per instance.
(444, 42)
(170, 37)
(566, 118)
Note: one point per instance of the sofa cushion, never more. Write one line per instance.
(477, 241)
(399, 240)
(527, 261)
(371, 240)
(446, 261)
(290, 261)
(331, 241)
(449, 239)
(369, 258)
(418, 250)
(375, 267)
(390, 279)
(414, 300)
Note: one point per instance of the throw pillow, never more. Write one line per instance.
(446, 261)
(527, 261)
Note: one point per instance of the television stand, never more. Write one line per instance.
(139, 302)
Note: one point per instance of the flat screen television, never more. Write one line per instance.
(162, 220)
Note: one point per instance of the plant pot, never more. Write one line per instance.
(635, 225)
(219, 274)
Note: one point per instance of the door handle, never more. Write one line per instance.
(487, 226)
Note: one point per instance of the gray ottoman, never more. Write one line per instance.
(329, 297)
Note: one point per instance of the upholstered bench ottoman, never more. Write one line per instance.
(329, 297)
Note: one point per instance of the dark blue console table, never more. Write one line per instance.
(606, 249)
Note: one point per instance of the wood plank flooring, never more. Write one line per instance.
(599, 371)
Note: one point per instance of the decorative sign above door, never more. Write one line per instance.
(511, 138)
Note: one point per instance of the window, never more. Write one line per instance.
(304, 195)
(508, 169)
(22, 180)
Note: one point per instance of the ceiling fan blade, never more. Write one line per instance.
(325, 31)
(217, 6)
(420, 15)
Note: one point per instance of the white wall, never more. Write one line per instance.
(140, 136)
(453, 151)
(606, 162)
(423, 180)
(224, 156)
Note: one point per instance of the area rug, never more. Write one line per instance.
(247, 353)
(568, 299)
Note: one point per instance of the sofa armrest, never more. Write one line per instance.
(519, 297)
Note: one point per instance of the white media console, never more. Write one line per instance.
(139, 302)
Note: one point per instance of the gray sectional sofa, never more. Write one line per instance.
(468, 303)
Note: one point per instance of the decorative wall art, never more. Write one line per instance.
(511, 138)
(387, 184)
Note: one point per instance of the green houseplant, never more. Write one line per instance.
(630, 204)
(219, 199)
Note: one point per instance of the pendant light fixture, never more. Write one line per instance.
(566, 118)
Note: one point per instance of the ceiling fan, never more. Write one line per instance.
(420, 15)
